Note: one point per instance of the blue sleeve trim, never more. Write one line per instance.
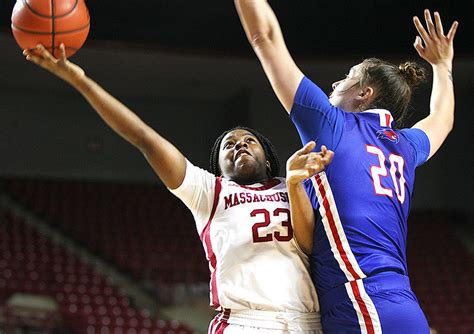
(420, 143)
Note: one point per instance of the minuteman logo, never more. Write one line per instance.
(388, 134)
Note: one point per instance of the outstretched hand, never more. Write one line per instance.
(434, 46)
(61, 67)
(304, 163)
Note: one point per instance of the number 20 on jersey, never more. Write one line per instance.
(380, 171)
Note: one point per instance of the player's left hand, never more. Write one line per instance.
(305, 163)
(434, 46)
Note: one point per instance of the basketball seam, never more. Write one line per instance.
(25, 2)
(53, 36)
(48, 32)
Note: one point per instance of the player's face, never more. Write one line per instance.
(345, 91)
(242, 158)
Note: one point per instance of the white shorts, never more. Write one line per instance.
(265, 322)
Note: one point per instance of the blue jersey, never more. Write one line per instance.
(364, 195)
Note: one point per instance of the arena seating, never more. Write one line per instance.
(145, 230)
(88, 302)
(142, 229)
(441, 272)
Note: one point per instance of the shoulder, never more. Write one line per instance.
(309, 95)
(419, 142)
(195, 178)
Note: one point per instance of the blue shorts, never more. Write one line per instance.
(383, 303)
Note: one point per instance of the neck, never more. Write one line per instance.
(244, 181)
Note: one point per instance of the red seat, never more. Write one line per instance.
(88, 302)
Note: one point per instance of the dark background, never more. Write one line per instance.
(312, 28)
(187, 69)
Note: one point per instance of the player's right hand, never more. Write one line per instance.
(61, 67)
(434, 46)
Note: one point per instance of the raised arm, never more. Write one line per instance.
(302, 165)
(437, 49)
(264, 34)
(166, 160)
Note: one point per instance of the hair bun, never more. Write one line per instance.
(413, 73)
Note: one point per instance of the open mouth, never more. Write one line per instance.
(241, 153)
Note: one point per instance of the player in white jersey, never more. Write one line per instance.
(259, 276)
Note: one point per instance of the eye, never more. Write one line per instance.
(250, 140)
(228, 144)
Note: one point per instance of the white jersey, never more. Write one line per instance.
(254, 260)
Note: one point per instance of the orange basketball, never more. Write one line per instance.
(51, 22)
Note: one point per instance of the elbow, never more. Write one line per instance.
(261, 40)
(142, 140)
(449, 125)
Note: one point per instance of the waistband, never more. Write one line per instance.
(372, 285)
(284, 320)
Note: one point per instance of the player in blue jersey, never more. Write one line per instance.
(357, 242)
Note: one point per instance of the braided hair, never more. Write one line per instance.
(268, 148)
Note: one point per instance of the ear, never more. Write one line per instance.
(366, 94)
(269, 166)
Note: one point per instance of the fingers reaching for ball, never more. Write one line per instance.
(62, 47)
(40, 56)
(60, 67)
(39, 52)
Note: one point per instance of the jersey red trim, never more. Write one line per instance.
(206, 240)
(370, 324)
(219, 324)
(334, 231)
(363, 308)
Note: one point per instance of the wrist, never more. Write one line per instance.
(443, 66)
(78, 80)
(293, 183)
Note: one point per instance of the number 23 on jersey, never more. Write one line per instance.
(259, 236)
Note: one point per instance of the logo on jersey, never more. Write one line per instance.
(388, 134)
(245, 197)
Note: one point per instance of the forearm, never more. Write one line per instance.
(121, 119)
(264, 34)
(258, 20)
(442, 95)
(165, 159)
(440, 122)
(302, 216)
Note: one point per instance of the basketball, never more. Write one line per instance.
(51, 22)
